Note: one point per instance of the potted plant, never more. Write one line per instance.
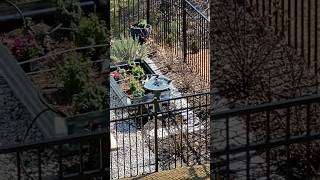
(141, 31)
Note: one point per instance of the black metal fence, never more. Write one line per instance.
(142, 139)
(177, 26)
(275, 141)
(297, 21)
(151, 139)
(72, 157)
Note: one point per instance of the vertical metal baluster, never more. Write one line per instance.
(227, 148)
(270, 15)
(263, 9)
(116, 121)
(248, 144)
(184, 30)
(308, 143)
(169, 135)
(148, 112)
(200, 123)
(81, 156)
(206, 129)
(181, 140)
(18, 165)
(289, 22)
(60, 161)
(102, 142)
(316, 43)
(267, 141)
(142, 137)
(276, 20)
(295, 24)
(128, 16)
(130, 155)
(282, 16)
(309, 33)
(287, 138)
(124, 147)
(148, 12)
(136, 120)
(155, 104)
(302, 28)
(187, 130)
(39, 163)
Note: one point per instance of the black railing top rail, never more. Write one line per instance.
(201, 15)
(266, 107)
(195, 9)
(159, 101)
(49, 142)
(271, 144)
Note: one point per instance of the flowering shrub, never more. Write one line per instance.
(23, 46)
(116, 75)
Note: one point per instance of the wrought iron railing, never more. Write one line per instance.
(182, 126)
(297, 21)
(274, 141)
(151, 139)
(177, 25)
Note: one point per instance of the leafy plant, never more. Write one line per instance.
(25, 47)
(142, 23)
(91, 31)
(69, 11)
(137, 71)
(73, 74)
(136, 88)
(128, 49)
(93, 97)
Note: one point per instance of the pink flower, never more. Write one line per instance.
(115, 75)
(18, 43)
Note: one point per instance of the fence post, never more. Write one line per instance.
(155, 105)
(148, 12)
(184, 29)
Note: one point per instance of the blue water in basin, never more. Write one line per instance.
(155, 83)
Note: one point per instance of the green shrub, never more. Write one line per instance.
(136, 88)
(93, 97)
(91, 31)
(68, 11)
(128, 49)
(137, 71)
(73, 74)
(142, 23)
(24, 46)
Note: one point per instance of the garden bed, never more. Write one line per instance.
(48, 52)
(126, 81)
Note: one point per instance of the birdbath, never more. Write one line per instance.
(157, 84)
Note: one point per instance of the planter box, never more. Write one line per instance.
(45, 12)
(120, 93)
